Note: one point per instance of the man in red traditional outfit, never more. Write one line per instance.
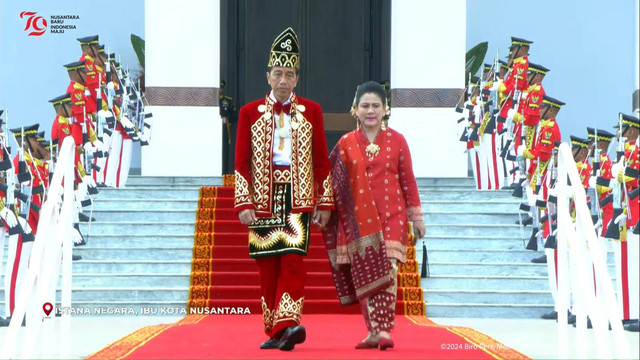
(282, 182)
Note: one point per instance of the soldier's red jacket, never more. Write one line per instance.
(531, 105)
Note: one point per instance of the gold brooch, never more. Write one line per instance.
(372, 150)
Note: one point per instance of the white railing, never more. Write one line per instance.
(51, 255)
(580, 263)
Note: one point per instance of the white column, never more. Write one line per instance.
(182, 70)
(428, 46)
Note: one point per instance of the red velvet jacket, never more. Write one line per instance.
(254, 168)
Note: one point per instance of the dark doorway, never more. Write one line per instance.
(342, 44)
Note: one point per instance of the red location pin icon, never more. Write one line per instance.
(47, 308)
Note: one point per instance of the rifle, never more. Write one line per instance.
(466, 91)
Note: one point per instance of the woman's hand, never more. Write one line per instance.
(321, 217)
(419, 230)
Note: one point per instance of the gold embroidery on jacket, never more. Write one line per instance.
(241, 190)
(261, 142)
(301, 160)
(326, 197)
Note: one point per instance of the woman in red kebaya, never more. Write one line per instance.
(375, 195)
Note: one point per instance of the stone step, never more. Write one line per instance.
(117, 204)
(455, 242)
(470, 207)
(472, 282)
(124, 253)
(472, 255)
(139, 241)
(148, 215)
(446, 182)
(481, 296)
(442, 217)
(470, 194)
(115, 280)
(135, 293)
(149, 193)
(136, 228)
(496, 310)
(492, 269)
(484, 230)
(137, 180)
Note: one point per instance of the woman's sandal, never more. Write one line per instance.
(366, 345)
(385, 343)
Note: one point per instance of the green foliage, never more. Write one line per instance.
(138, 47)
(474, 59)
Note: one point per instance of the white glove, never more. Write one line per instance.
(99, 145)
(88, 147)
(76, 236)
(126, 122)
(621, 219)
(25, 225)
(616, 168)
(520, 149)
(87, 92)
(9, 217)
(510, 113)
(524, 95)
(592, 182)
(88, 181)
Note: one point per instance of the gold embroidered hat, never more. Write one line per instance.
(285, 50)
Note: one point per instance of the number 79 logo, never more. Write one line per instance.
(36, 23)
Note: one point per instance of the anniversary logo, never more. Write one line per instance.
(37, 25)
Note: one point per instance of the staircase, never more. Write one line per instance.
(477, 259)
(224, 276)
(140, 249)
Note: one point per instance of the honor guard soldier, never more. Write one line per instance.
(529, 112)
(21, 244)
(7, 214)
(282, 183)
(580, 151)
(626, 247)
(602, 169)
(549, 136)
(515, 82)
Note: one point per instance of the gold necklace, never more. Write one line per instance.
(372, 149)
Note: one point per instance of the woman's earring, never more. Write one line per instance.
(353, 113)
(383, 127)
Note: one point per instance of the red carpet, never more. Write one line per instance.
(328, 337)
(223, 275)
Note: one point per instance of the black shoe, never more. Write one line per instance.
(85, 218)
(75, 257)
(3, 322)
(571, 319)
(8, 320)
(270, 344)
(633, 326)
(292, 335)
(553, 315)
(527, 220)
(541, 260)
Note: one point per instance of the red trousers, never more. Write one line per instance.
(282, 289)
